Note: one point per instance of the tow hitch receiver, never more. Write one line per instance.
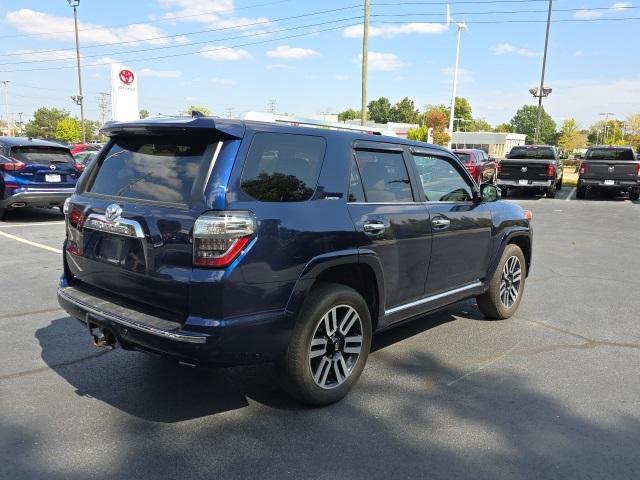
(102, 337)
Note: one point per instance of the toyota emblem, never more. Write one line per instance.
(112, 212)
(127, 77)
(523, 169)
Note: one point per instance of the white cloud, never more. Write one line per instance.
(216, 52)
(587, 14)
(342, 78)
(464, 76)
(148, 72)
(49, 55)
(292, 53)
(389, 30)
(62, 28)
(278, 66)
(506, 48)
(222, 81)
(382, 61)
(578, 53)
(190, 99)
(181, 39)
(215, 13)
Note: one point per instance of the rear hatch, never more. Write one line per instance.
(527, 163)
(610, 164)
(44, 167)
(129, 228)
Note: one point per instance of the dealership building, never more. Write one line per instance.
(497, 145)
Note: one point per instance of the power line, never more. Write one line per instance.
(494, 12)
(196, 32)
(165, 47)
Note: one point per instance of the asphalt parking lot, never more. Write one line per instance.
(552, 393)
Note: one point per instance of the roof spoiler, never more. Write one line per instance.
(159, 125)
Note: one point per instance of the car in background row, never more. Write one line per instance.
(615, 169)
(84, 158)
(480, 166)
(84, 147)
(531, 167)
(35, 173)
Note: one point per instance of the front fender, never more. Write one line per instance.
(504, 238)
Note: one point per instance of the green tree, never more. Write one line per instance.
(68, 130)
(144, 113)
(606, 133)
(348, 114)
(462, 109)
(570, 138)
(503, 128)
(45, 122)
(479, 125)
(379, 110)
(524, 121)
(632, 126)
(198, 108)
(404, 111)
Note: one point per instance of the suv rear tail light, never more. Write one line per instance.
(12, 167)
(499, 169)
(638, 170)
(79, 167)
(583, 168)
(472, 168)
(219, 237)
(551, 170)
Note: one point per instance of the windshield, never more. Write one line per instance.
(161, 169)
(610, 154)
(464, 157)
(544, 153)
(41, 155)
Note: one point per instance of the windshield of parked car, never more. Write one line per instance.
(464, 157)
(543, 153)
(610, 154)
(41, 155)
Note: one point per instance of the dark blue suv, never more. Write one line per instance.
(216, 241)
(35, 173)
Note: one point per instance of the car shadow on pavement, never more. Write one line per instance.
(160, 390)
(412, 422)
(28, 215)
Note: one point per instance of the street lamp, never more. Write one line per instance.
(605, 127)
(79, 99)
(461, 26)
(541, 92)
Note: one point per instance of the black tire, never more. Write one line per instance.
(551, 191)
(490, 303)
(297, 365)
(504, 191)
(634, 195)
(581, 193)
(559, 184)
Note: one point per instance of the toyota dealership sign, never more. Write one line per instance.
(124, 93)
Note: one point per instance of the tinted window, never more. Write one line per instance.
(464, 157)
(610, 154)
(151, 168)
(546, 153)
(41, 155)
(282, 167)
(356, 191)
(384, 176)
(441, 181)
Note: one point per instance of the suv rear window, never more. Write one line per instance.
(610, 154)
(282, 167)
(42, 155)
(544, 153)
(464, 157)
(161, 169)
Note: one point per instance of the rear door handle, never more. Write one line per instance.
(440, 223)
(374, 228)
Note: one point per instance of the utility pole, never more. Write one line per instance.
(365, 62)
(5, 88)
(544, 65)
(103, 105)
(605, 127)
(78, 98)
(229, 112)
(461, 26)
(272, 106)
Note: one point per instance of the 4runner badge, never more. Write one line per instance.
(112, 212)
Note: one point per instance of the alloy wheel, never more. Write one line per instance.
(335, 346)
(510, 281)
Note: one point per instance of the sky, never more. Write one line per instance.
(234, 56)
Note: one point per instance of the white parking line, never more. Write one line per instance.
(29, 242)
(36, 224)
(573, 190)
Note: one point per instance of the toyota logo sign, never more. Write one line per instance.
(127, 77)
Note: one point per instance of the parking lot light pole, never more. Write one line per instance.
(365, 58)
(544, 65)
(461, 26)
(78, 98)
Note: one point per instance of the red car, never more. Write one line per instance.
(84, 147)
(481, 167)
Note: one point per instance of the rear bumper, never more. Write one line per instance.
(37, 197)
(196, 341)
(599, 184)
(530, 184)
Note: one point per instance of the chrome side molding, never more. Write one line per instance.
(433, 298)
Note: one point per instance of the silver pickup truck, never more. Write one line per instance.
(610, 169)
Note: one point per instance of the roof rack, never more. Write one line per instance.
(309, 122)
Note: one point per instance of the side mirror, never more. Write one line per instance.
(489, 192)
